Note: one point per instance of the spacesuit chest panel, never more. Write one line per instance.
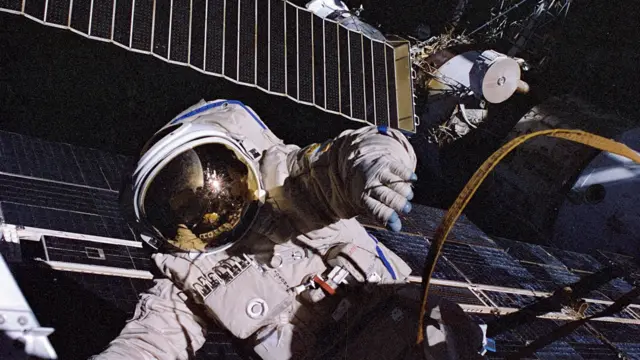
(251, 285)
(249, 301)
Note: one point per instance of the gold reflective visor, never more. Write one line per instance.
(201, 198)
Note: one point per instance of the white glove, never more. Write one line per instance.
(381, 177)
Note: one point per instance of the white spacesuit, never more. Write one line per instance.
(260, 237)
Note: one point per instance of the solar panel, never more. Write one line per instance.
(53, 195)
(595, 351)
(413, 250)
(623, 336)
(509, 300)
(489, 266)
(551, 277)
(632, 350)
(92, 253)
(424, 220)
(22, 155)
(559, 350)
(581, 344)
(274, 45)
(61, 187)
(632, 264)
(616, 288)
(62, 220)
(455, 294)
(574, 260)
(598, 295)
(528, 252)
(596, 308)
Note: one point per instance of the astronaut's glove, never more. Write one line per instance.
(382, 176)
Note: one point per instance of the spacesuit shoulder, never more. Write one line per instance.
(234, 117)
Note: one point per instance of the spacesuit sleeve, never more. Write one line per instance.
(324, 178)
(163, 327)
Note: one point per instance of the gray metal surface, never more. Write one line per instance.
(18, 323)
(613, 222)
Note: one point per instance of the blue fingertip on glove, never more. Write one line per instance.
(407, 208)
(394, 224)
(413, 177)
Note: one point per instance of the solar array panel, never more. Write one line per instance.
(575, 261)
(606, 257)
(61, 187)
(624, 337)
(551, 278)
(489, 266)
(529, 253)
(509, 300)
(413, 250)
(93, 253)
(56, 195)
(66, 221)
(581, 344)
(424, 220)
(274, 45)
(31, 157)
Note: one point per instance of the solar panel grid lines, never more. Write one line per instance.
(65, 221)
(605, 256)
(414, 250)
(92, 253)
(218, 37)
(583, 343)
(596, 308)
(509, 300)
(575, 261)
(456, 294)
(36, 159)
(58, 196)
(528, 252)
(551, 277)
(489, 266)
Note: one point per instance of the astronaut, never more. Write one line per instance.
(260, 237)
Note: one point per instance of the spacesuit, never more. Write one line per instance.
(261, 238)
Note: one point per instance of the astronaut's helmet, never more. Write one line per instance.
(195, 188)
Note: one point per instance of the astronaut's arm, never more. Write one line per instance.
(163, 327)
(367, 171)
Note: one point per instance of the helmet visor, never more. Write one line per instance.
(204, 198)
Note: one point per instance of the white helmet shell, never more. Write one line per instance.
(215, 122)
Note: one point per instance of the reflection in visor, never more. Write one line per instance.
(199, 199)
